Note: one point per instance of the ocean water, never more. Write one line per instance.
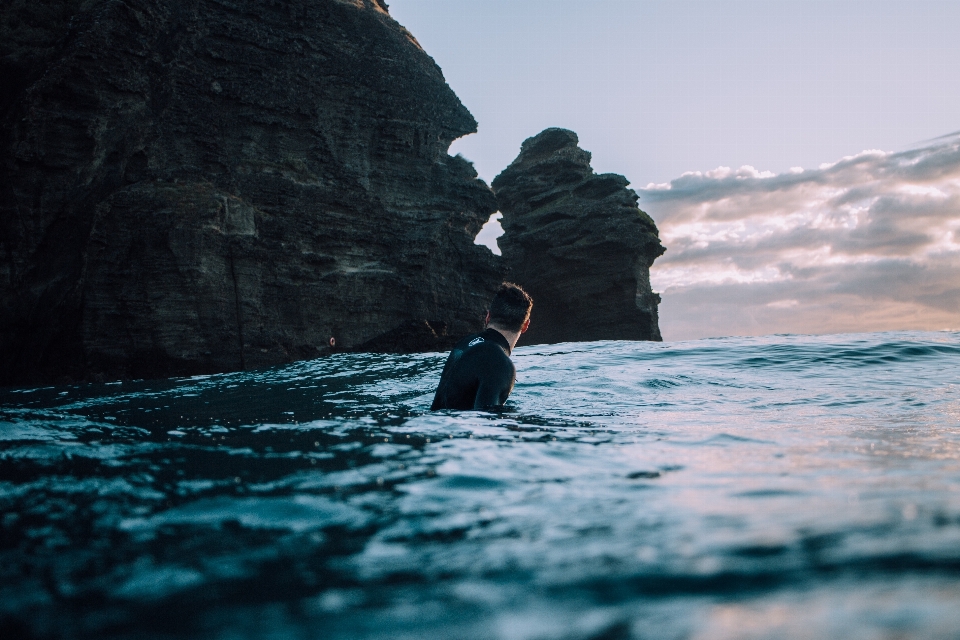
(777, 487)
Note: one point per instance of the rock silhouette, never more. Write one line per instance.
(196, 186)
(199, 186)
(577, 242)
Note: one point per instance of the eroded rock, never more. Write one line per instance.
(577, 242)
(195, 186)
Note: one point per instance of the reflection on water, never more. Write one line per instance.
(738, 488)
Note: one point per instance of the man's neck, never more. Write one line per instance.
(511, 336)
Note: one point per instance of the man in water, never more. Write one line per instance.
(479, 373)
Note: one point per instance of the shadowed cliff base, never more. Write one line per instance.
(577, 242)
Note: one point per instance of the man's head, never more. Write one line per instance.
(510, 309)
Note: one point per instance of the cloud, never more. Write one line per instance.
(868, 243)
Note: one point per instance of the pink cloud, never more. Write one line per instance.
(868, 243)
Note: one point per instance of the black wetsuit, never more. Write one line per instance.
(478, 373)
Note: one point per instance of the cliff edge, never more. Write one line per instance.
(578, 243)
(197, 186)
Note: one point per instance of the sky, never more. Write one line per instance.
(797, 156)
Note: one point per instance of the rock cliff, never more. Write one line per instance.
(195, 186)
(577, 242)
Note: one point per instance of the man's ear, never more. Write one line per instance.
(486, 320)
(526, 325)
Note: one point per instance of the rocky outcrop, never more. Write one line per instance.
(195, 186)
(577, 242)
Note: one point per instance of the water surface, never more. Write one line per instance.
(778, 487)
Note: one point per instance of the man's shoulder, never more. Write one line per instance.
(475, 340)
(468, 342)
(482, 343)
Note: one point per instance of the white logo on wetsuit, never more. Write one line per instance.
(475, 342)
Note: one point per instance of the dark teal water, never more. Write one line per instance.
(779, 487)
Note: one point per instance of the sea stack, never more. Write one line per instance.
(578, 243)
(195, 186)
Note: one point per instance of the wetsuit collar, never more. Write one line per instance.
(496, 336)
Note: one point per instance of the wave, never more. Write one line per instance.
(628, 489)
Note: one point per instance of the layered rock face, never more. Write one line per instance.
(195, 186)
(577, 242)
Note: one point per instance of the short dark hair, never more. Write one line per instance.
(510, 307)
